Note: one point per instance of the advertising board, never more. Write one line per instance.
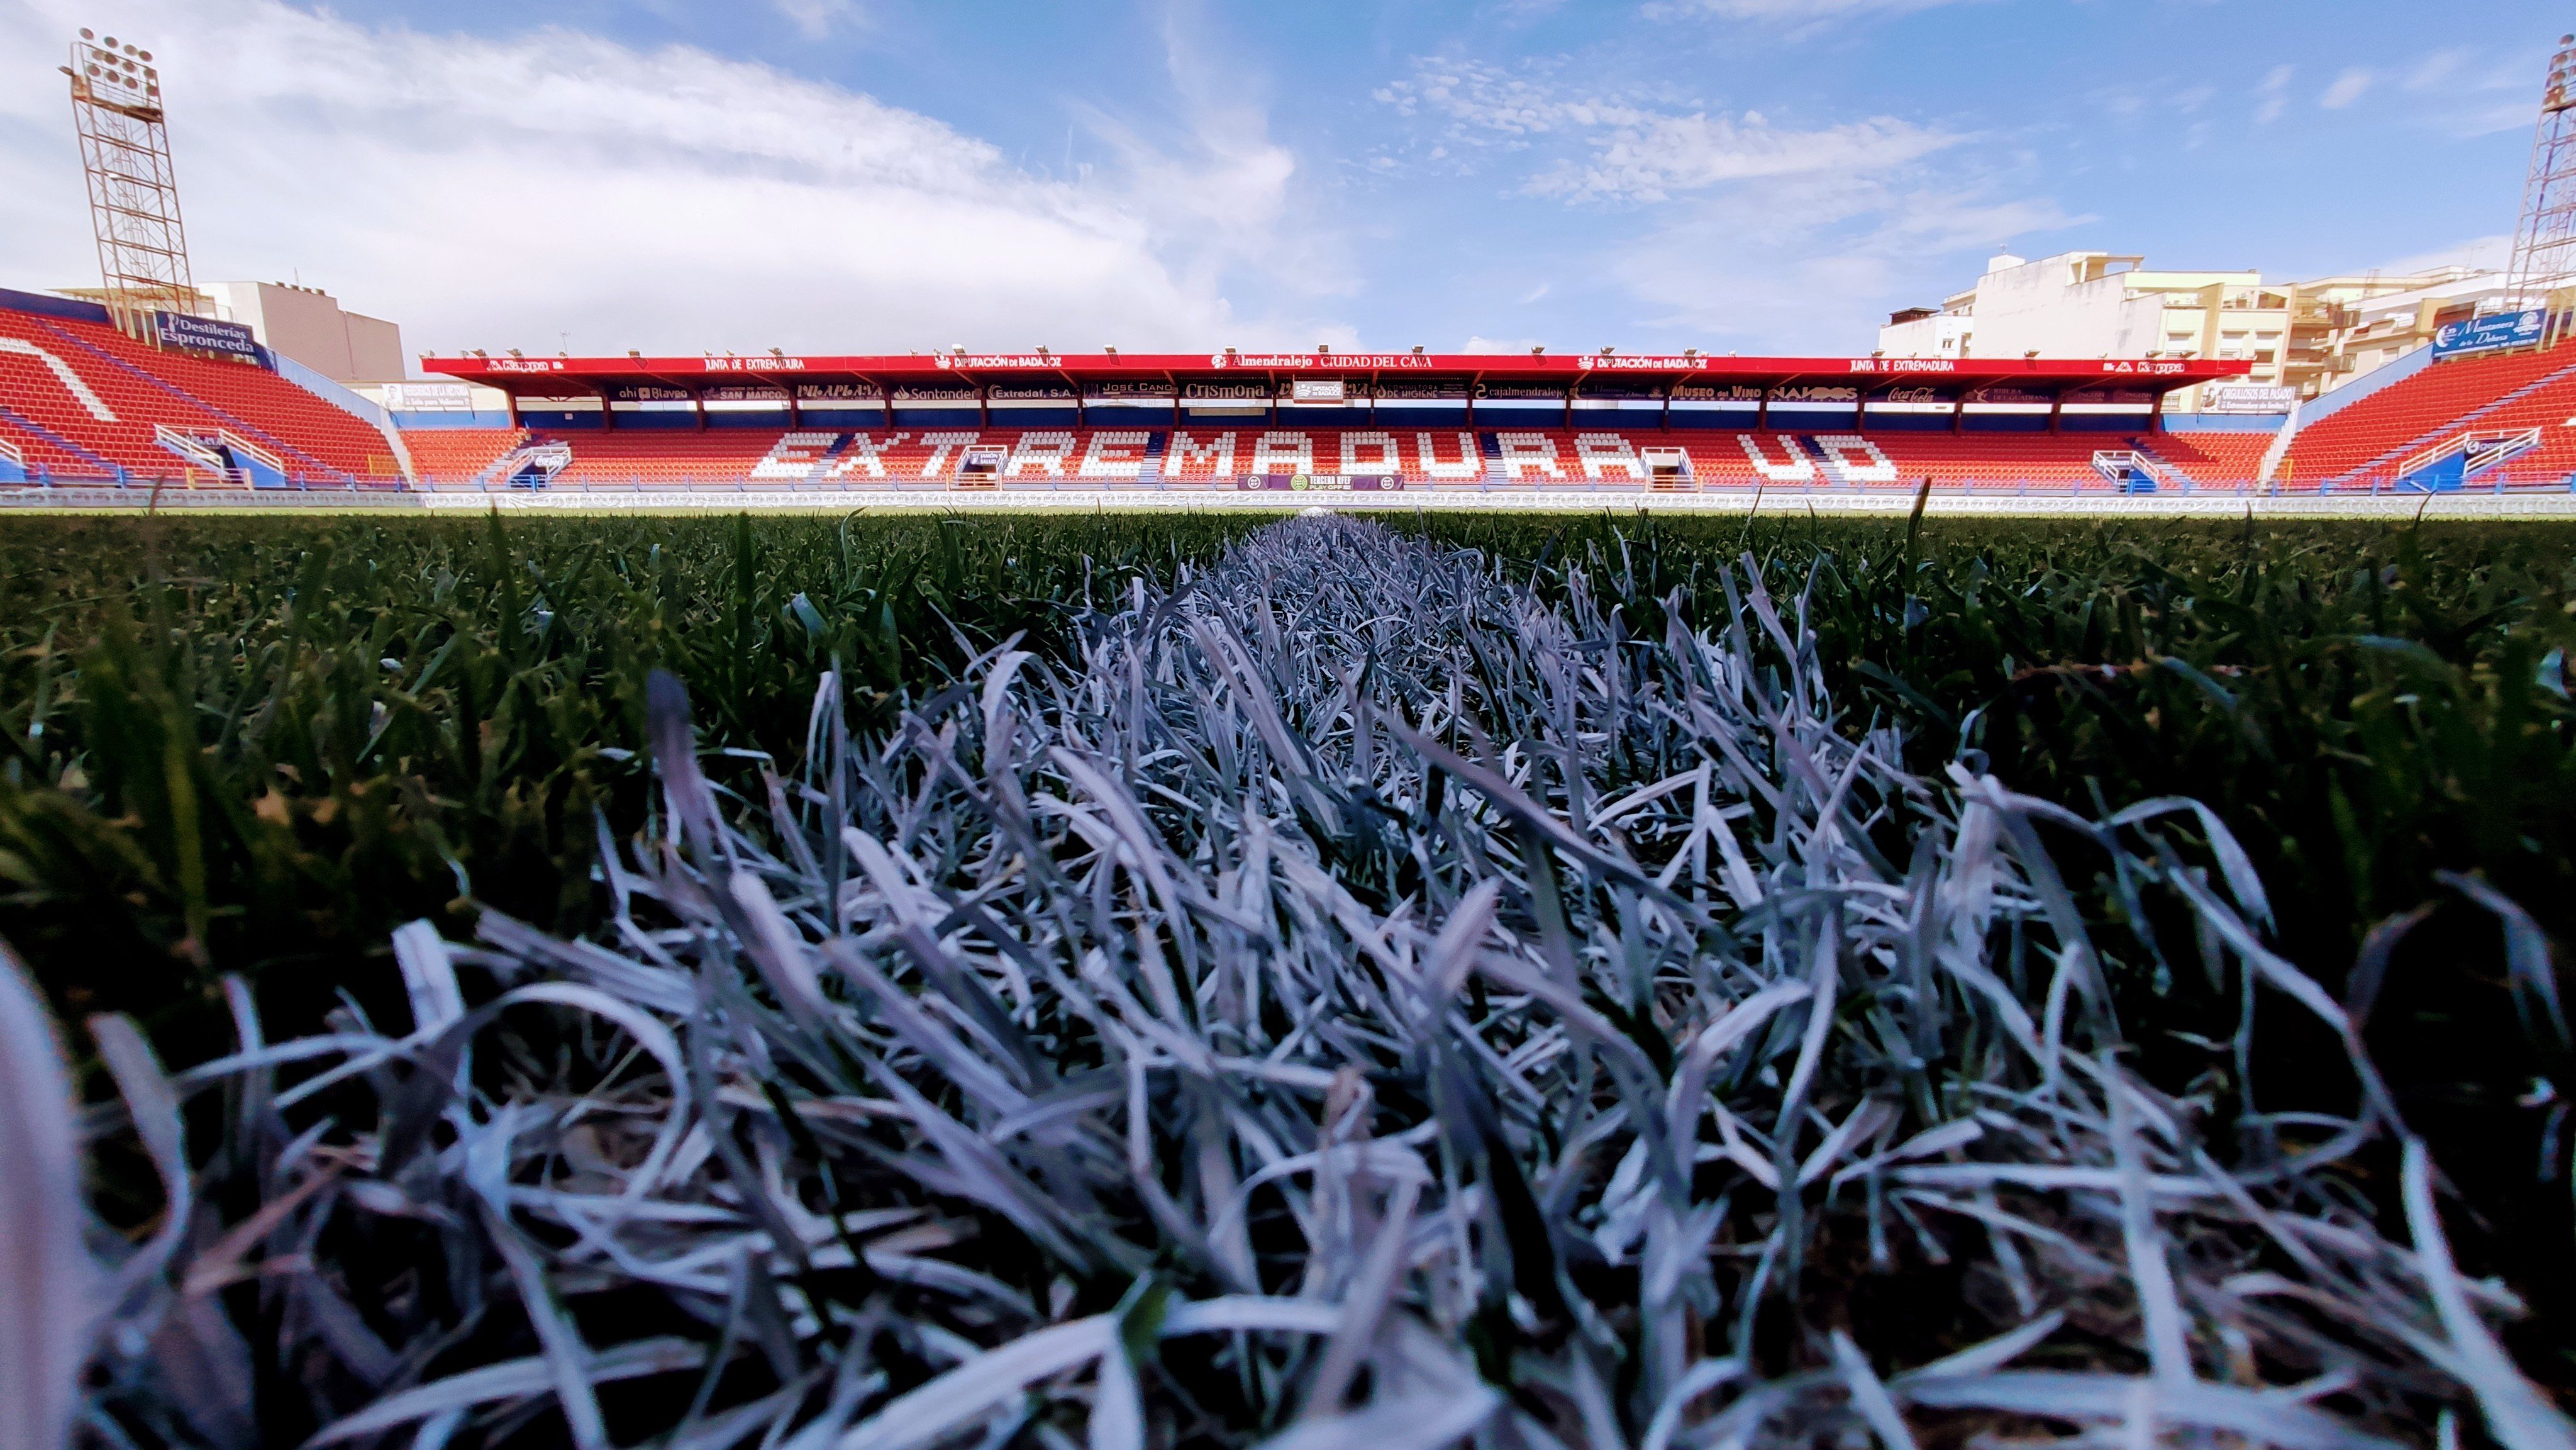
(206, 334)
(2487, 334)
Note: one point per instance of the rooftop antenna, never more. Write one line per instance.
(133, 193)
(2544, 239)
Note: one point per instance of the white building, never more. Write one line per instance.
(2308, 337)
(309, 325)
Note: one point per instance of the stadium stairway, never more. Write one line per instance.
(49, 454)
(2205, 460)
(460, 457)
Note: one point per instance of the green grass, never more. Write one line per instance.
(256, 746)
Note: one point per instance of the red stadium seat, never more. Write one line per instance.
(2364, 444)
(95, 402)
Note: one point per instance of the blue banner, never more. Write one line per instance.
(205, 334)
(2486, 334)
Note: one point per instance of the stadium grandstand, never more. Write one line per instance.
(84, 403)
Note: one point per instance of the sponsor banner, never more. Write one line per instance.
(1621, 390)
(2486, 334)
(428, 398)
(1317, 390)
(1594, 363)
(1227, 392)
(1814, 393)
(1127, 392)
(206, 334)
(1912, 400)
(1320, 482)
(1357, 361)
(2247, 398)
(915, 397)
(2018, 397)
(839, 393)
(1411, 392)
(1521, 392)
(736, 393)
(1007, 394)
(646, 393)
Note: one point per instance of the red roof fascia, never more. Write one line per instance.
(532, 375)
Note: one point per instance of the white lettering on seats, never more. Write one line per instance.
(63, 373)
(1600, 452)
(865, 455)
(940, 446)
(1528, 450)
(1283, 453)
(1871, 467)
(1797, 467)
(1215, 456)
(793, 456)
(1113, 454)
(1042, 452)
(1386, 462)
(1470, 464)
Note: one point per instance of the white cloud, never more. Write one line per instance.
(2272, 97)
(1497, 345)
(1755, 228)
(1816, 261)
(1637, 146)
(816, 19)
(1790, 11)
(2347, 88)
(491, 193)
(1669, 154)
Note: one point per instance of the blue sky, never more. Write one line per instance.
(1737, 175)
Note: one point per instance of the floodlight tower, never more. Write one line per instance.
(2544, 240)
(133, 193)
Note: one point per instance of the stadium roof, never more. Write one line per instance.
(1604, 372)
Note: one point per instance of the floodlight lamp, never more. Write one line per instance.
(957, 349)
(773, 352)
(514, 352)
(1690, 352)
(1323, 349)
(630, 352)
(2034, 352)
(1880, 352)
(1108, 350)
(1605, 352)
(1417, 349)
